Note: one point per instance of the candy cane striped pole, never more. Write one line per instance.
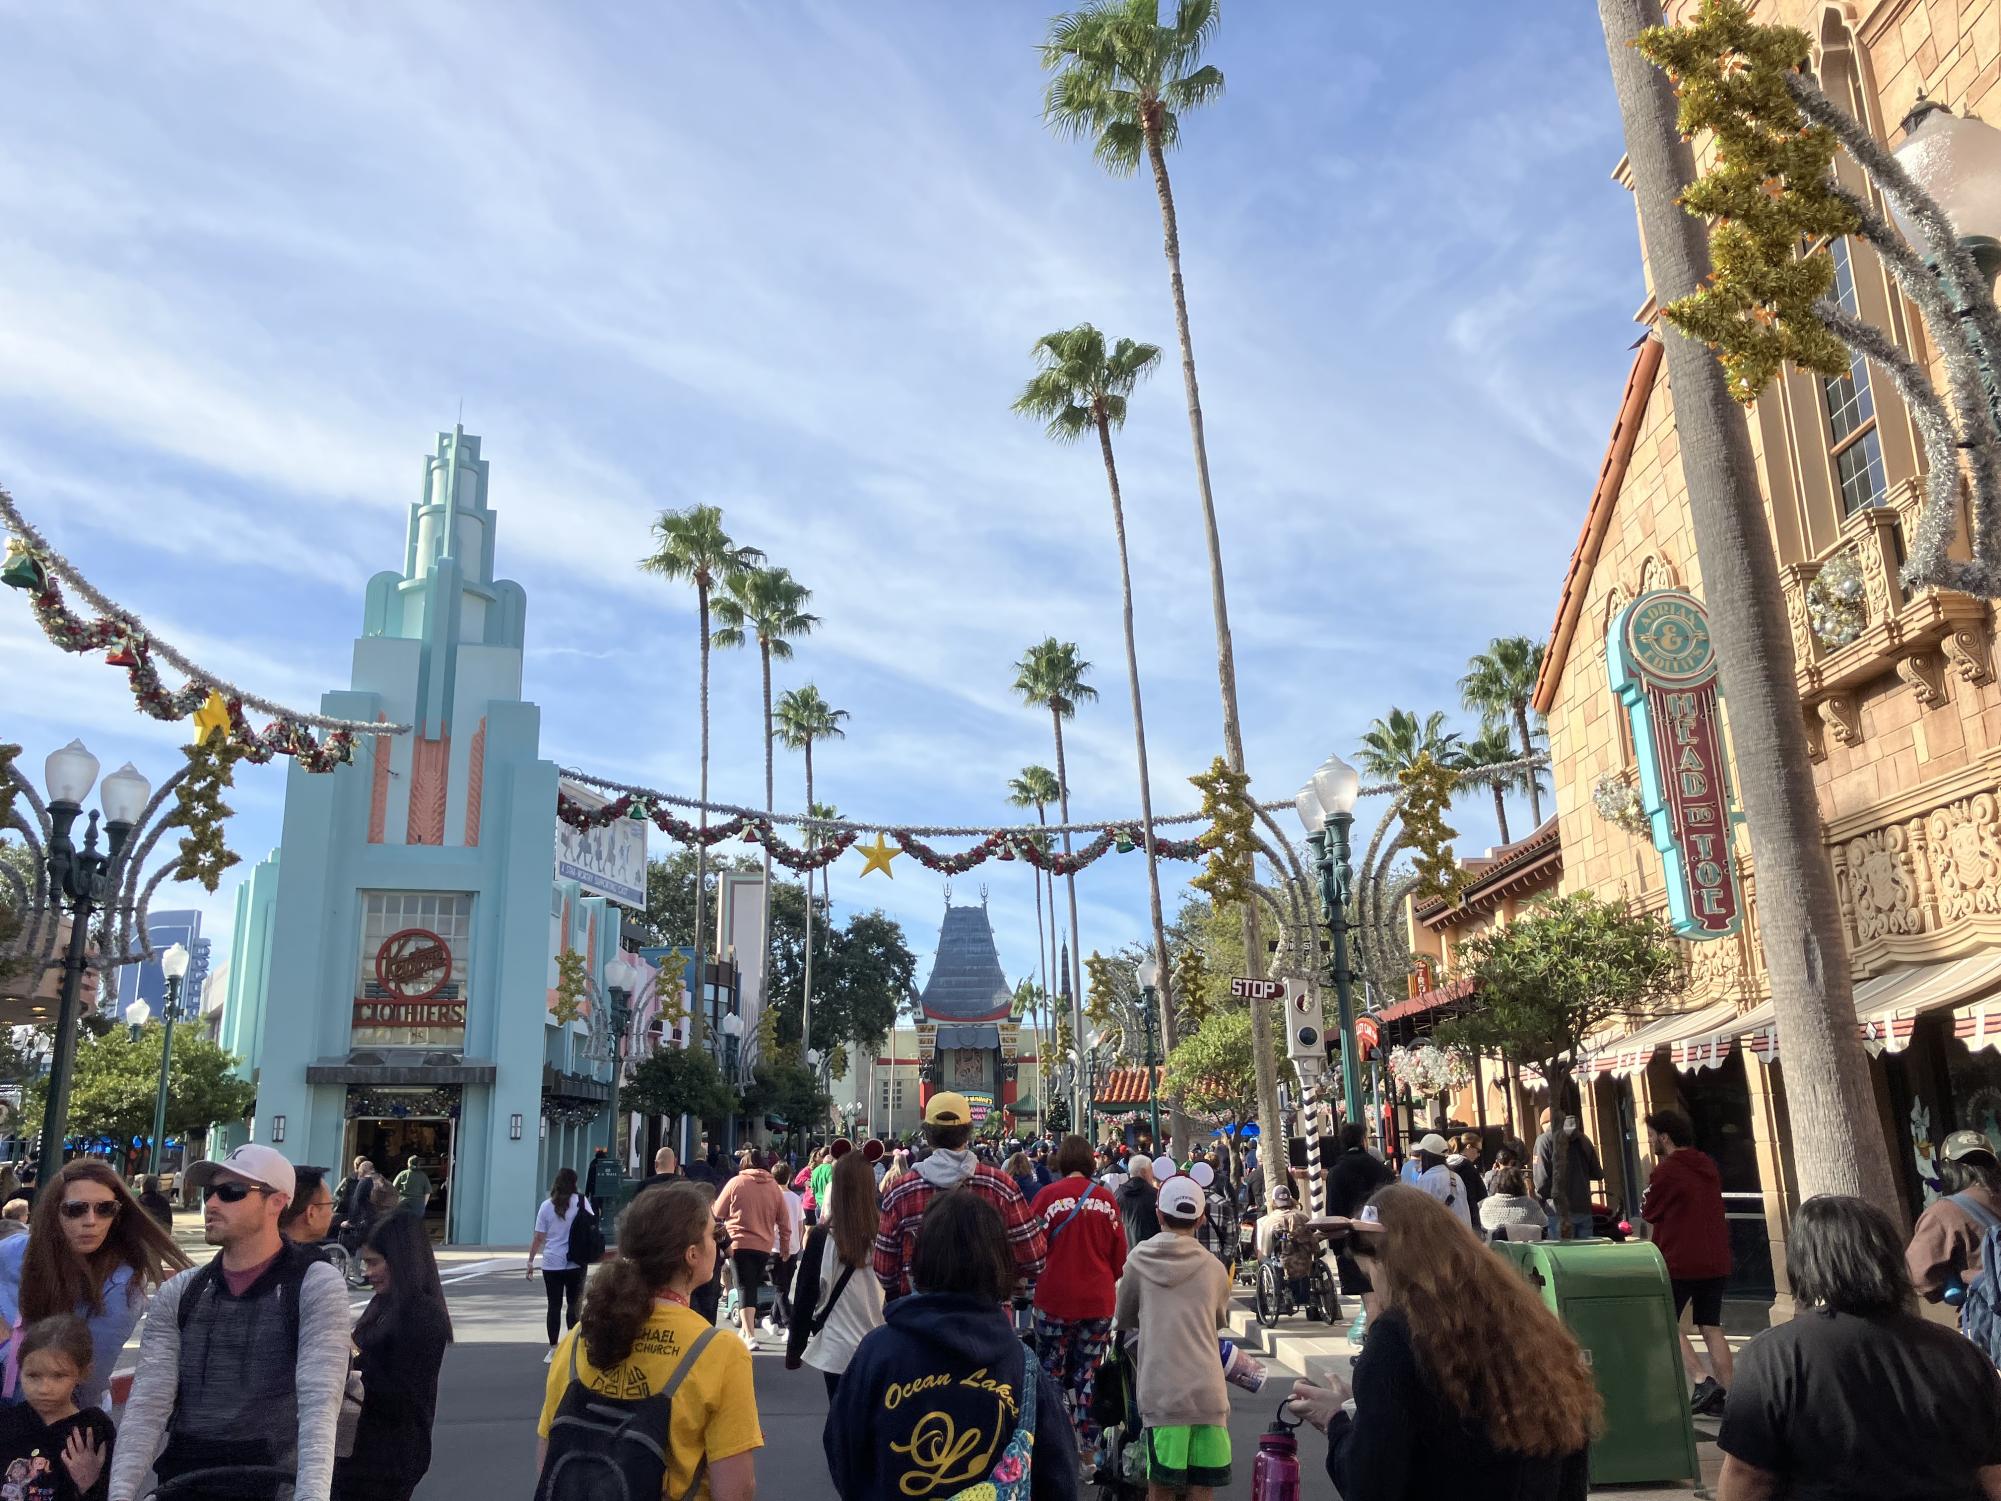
(1309, 1109)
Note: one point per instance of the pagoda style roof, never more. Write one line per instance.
(966, 983)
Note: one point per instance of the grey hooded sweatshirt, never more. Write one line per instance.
(1177, 1296)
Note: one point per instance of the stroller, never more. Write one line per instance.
(1120, 1473)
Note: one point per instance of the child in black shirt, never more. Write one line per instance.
(49, 1450)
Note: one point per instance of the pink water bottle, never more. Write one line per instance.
(1275, 1472)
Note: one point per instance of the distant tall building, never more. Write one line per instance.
(144, 982)
(968, 1011)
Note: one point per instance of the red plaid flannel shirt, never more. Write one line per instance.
(904, 1206)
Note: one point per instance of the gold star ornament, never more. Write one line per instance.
(213, 715)
(878, 855)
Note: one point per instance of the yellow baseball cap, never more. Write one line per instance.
(948, 1109)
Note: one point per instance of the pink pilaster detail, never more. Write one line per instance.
(429, 761)
(378, 793)
(475, 782)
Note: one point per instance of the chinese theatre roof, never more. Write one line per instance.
(966, 983)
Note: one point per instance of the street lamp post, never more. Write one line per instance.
(174, 965)
(622, 978)
(1149, 983)
(732, 1026)
(1326, 807)
(84, 878)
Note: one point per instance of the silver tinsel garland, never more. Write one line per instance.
(69, 573)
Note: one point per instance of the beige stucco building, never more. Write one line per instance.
(1897, 690)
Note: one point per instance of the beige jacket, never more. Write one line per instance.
(752, 1208)
(1177, 1296)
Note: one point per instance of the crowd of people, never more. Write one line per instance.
(1023, 1324)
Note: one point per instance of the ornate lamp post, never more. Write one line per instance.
(1326, 807)
(622, 977)
(174, 965)
(91, 884)
(732, 1029)
(1149, 986)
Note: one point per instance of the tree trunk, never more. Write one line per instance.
(1069, 881)
(1263, 1064)
(1164, 997)
(764, 938)
(1501, 811)
(1528, 749)
(806, 989)
(1837, 1148)
(696, 1008)
(1041, 1009)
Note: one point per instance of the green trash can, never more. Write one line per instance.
(613, 1194)
(1615, 1298)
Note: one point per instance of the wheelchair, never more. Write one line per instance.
(1274, 1299)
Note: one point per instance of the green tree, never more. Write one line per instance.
(1499, 686)
(803, 717)
(1550, 979)
(1122, 82)
(784, 1090)
(1214, 1067)
(1051, 674)
(1492, 747)
(1392, 745)
(767, 606)
(1800, 924)
(1081, 387)
(116, 1079)
(678, 1081)
(864, 969)
(691, 545)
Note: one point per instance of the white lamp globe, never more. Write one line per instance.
(138, 1013)
(1149, 972)
(174, 963)
(1337, 785)
(1957, 160)
(124, 795)
(732, 1025)
(70, 773)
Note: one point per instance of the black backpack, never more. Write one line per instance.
(586, 1237)
(603, 1449)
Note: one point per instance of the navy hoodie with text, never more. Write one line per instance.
(930, 1402)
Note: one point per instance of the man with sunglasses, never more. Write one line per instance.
(243, 1362)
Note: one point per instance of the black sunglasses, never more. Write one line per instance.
(229, 1193)
(76, 1209)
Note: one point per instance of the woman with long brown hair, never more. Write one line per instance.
(1468, 1385)
(836, 1299)
(637, 1334)
(92, 1251)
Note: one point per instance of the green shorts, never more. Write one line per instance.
(1189, 1454)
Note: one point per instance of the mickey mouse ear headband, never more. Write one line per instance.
(839, 1148)
(1166, 1167)
(872, 1150)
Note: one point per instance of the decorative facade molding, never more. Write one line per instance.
(1842, 718)
(475, 783)
(429, 763)
(1924, 671)
(1968, 653)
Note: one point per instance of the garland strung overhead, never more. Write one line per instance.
(38, 570)
(756, 829)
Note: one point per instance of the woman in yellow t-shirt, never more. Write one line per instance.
(636, 1327)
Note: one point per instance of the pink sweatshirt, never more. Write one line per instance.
(752, 1208)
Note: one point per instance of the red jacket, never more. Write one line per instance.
(1684, 1204)
(1080, 1280)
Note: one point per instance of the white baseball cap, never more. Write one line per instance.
(253, 1163)
(1181, 1197)
(1434, 1144)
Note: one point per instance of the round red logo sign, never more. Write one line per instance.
(413, 965)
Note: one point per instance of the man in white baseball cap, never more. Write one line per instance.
(243, 1361)
(1438, 1179)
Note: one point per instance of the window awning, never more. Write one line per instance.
(1623, 1057)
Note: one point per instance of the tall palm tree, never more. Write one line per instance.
(1051, 674)
(1081, 387)
(828, 813)
(768, 606)
(1393, 744)
(1499, 686)
(1036, 788)
(1799, 916)
(803, 717)
(1122, 82)
(1491, 747)
(691, 545)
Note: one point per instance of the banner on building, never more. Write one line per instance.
(608, 862)
(981, 1104)
(1662, 665)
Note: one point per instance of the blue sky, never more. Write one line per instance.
(790, 259)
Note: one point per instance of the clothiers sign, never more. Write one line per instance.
(1663, 669)
(411, 968)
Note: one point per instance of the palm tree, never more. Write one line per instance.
(826, 813)
(803, 717)
(1036, 788)
(1393, 744)
(1122, 82)
(692, 545)
(1051, 674)
(1499, 686)
(768, 606)
(1492, 747)
(1081, 387)
(1799, 915)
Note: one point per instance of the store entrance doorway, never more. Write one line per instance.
(391, 1141)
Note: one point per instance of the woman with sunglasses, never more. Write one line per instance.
(92, 1251)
